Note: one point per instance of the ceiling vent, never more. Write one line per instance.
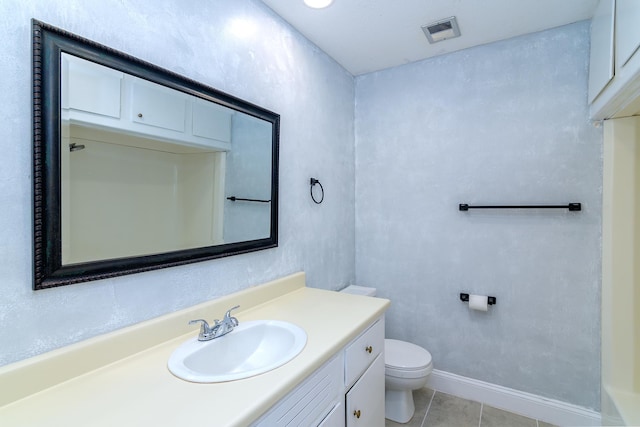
(441, 30)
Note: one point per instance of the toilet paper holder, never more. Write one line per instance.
(465, 297)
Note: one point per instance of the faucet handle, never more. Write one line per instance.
(228, 318)
(204, 323)
(204, 327)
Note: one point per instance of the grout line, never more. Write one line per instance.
(428, 407)
(481, 408)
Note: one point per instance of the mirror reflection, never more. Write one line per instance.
(137, 168)
(147, 169)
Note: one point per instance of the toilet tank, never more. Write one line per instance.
(360, 290)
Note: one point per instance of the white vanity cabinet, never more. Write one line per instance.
(364, 378)
(335, 418)
(346, 391)
(98, 97)
(310, 402)
(614, 70)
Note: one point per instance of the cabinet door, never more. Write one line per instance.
(601, 61)
(87, 86)
(156, 105)
(311, 400)
(627, 30)
(365, 400)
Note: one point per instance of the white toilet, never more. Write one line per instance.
(407, 367)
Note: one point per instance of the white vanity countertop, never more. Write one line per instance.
(138, 390)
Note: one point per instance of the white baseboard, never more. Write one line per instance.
(518, 402)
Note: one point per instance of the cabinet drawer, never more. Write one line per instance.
(360, 353)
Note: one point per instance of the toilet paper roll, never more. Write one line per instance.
(478, 302)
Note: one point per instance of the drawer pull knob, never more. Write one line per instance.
(368, 349)
(140, 115)
(356, 413)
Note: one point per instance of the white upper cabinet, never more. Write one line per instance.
(615, 33)
(627, 30)
(601, 69)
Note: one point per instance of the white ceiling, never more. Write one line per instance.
(370, 35)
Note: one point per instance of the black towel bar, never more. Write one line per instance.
(571, 206)
(239, 199)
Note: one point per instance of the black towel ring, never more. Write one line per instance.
(313, 182)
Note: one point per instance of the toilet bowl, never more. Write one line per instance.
(407, 367)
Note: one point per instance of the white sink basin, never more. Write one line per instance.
(252, 348)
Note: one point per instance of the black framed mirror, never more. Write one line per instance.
(137, 168)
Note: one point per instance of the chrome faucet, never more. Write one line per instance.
(219, 328)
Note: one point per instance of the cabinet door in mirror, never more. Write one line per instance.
(137, 168)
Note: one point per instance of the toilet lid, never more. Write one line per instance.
(404, 355)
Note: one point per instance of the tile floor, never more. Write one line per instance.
(437, 409)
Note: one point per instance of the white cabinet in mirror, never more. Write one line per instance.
(138, 159)
(122, 200)
(96, 96)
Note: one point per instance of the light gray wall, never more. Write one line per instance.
(505, 123)
(275, 67)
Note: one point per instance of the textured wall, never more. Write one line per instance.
(501, 123)
(274, 67)
(505, 122)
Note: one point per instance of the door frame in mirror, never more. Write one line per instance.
(48, 43)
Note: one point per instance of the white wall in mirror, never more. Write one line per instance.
(121, 200)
